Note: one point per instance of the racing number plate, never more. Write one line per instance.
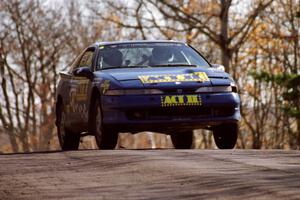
(181, 100)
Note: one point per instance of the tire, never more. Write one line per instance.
(225, 135)
(182, 140)
(68, 140)
(105, 138)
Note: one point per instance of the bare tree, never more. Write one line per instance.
(29, 59)
(257, 41)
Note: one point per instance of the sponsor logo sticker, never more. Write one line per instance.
(196, 76)
(104, 86)
(181, 100)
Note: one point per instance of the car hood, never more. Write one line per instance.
(130, 76)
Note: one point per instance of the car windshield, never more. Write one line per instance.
(138, 55)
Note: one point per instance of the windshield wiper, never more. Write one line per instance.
(130, 66)
(174, 65)
(137, 66)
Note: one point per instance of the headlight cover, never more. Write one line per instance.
(132, 92)
(215, 89)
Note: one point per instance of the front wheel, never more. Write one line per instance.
(68, 140)
(182, 140)
(225, 135)
(105, 138)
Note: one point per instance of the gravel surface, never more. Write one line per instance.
(151, 174)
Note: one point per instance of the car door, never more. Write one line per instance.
(79, 87)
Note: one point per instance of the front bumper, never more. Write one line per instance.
(148, 113)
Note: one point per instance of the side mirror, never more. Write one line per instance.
(83, 72)
(218, 67)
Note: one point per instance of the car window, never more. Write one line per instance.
(193, 57)
(149, 54)
(86, 59)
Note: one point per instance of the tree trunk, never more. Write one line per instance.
(226, 55)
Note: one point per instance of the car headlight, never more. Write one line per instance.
(215, 89)
(132, 92)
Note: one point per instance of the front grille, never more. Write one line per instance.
(179, 112)
(179, 91)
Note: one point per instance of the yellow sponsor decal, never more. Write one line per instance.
(78, 95)
(105, 86)
(181, 100)
(81, 92)
(81, 97)
(196, 76)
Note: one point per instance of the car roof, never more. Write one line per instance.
(97, 44)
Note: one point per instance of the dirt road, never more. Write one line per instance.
(151, 174)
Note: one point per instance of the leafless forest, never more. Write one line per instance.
(257, 41)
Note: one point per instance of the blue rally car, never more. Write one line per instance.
(163, 86)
